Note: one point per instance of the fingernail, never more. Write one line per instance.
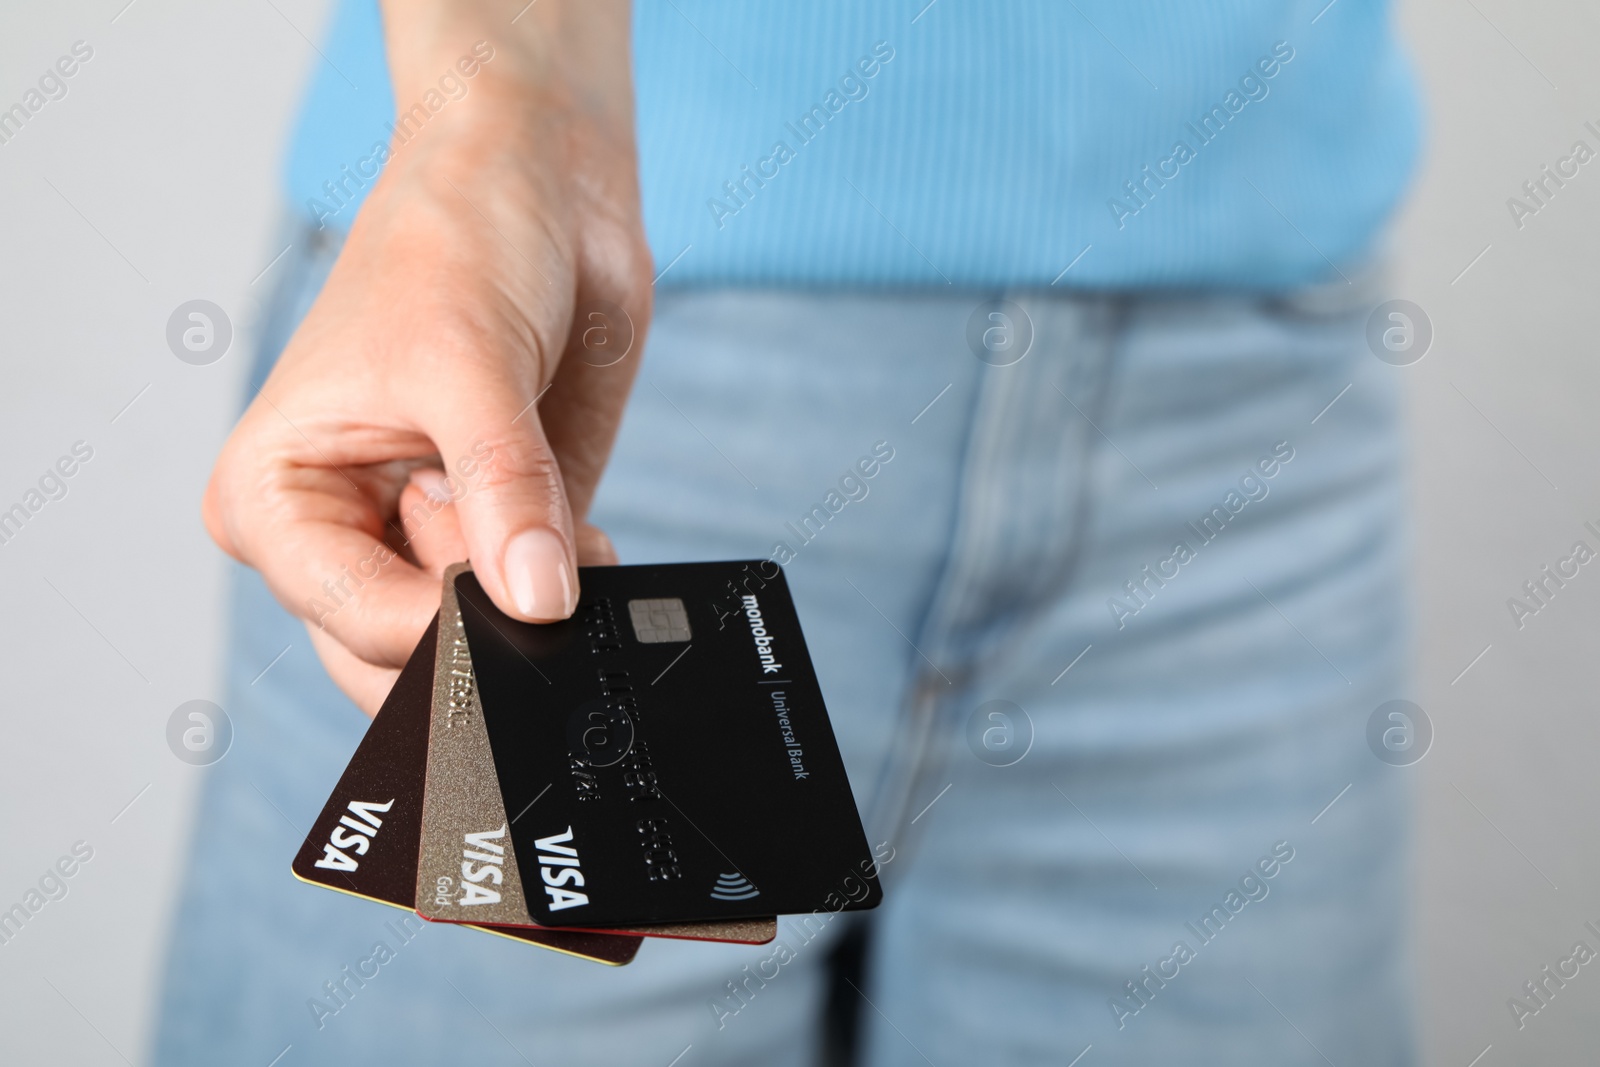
(433, 483)
(538, 576)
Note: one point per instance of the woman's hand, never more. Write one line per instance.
(450, 341)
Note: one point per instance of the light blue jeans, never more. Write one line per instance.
(1104, 764)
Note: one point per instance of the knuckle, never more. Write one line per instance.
(636, 276)
(621, 263)
(638, 269)
(514, 461)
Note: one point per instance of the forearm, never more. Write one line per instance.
(569, 54)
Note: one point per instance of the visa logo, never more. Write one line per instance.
(491, 857)
(559, 867)
(355, 834)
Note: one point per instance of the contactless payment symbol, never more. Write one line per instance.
(734, 887)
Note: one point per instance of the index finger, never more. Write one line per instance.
(318, 540)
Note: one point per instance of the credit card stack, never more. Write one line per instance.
(659, 765)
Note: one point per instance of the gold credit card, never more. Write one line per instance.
(466, 867)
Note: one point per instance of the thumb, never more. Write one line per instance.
(512, 503)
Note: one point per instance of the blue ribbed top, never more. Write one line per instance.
(1086, 143)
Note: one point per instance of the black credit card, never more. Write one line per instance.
(667, 751)
(465, 871)
(365, 841)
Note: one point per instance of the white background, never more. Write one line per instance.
(155, 181)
